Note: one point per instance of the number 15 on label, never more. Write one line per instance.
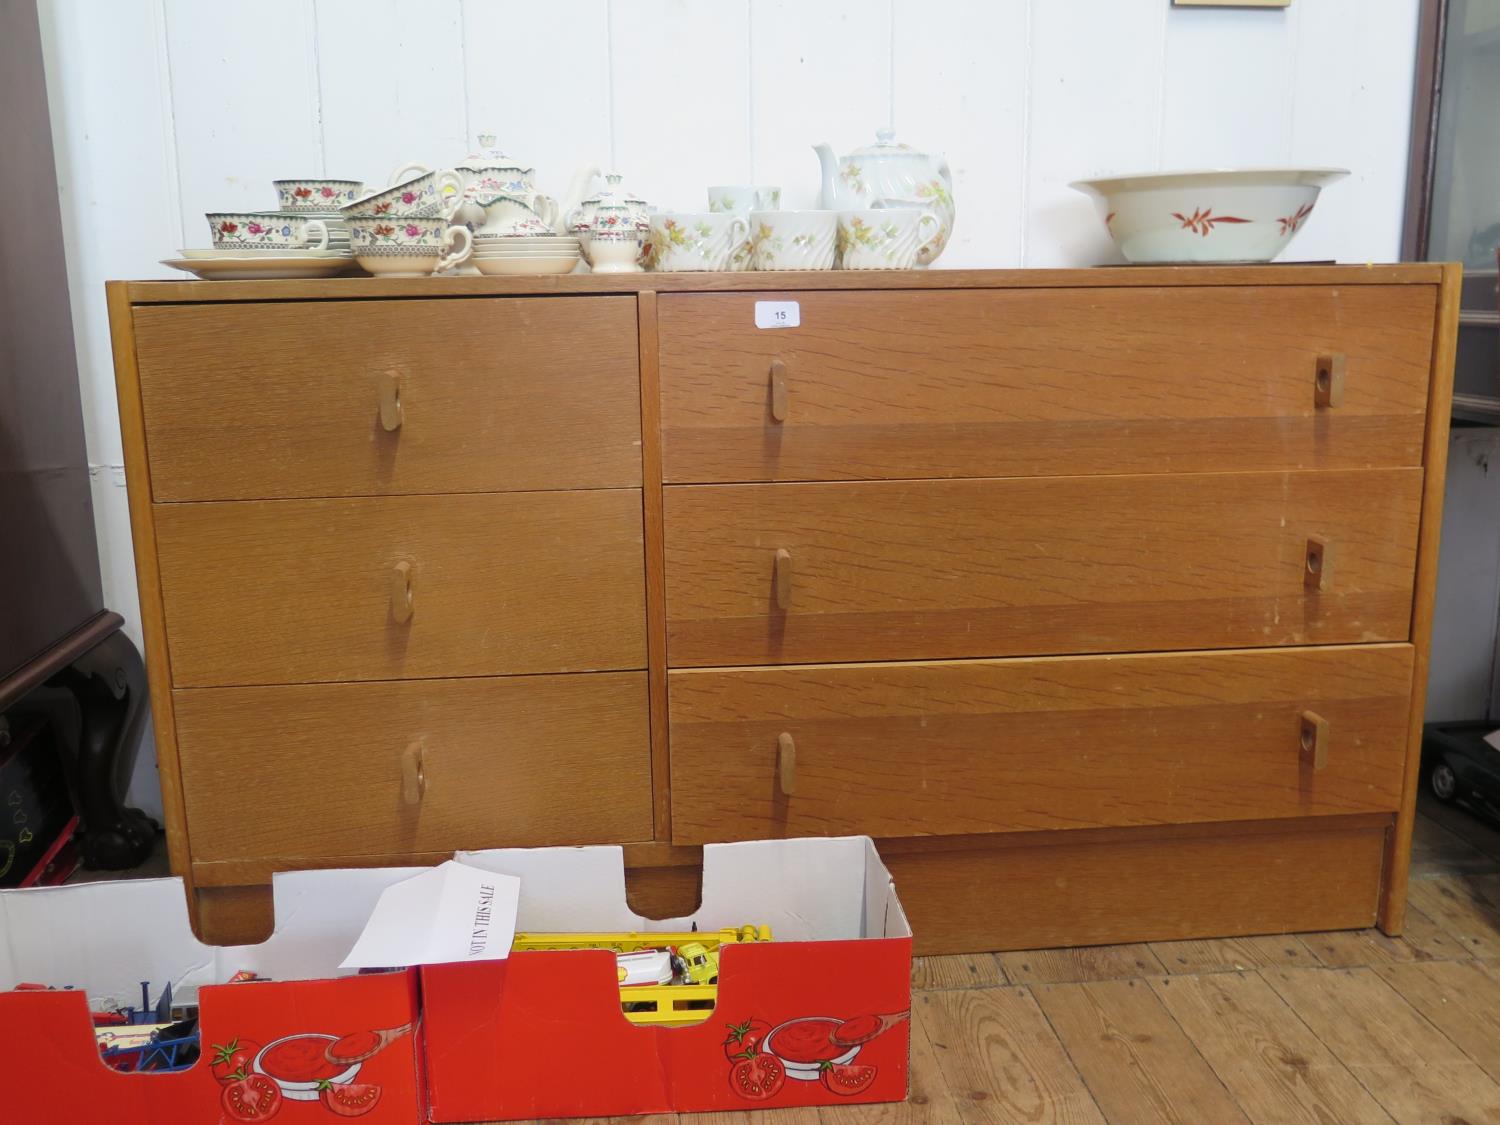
(778, 314)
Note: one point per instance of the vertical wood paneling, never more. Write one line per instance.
(1226, 87)
(672, 146)
(538, 77)
(1091, 114)
(244, 103)
(820, 71)
(409, 102)
(968, 105)
(1324, 132)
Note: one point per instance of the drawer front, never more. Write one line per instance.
(349, 769)
(1021, 745)
(888, 385)
(493, 395)
(292, 591)
(927, 570)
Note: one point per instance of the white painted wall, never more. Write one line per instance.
(165, 109)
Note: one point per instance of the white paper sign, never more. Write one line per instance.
(777, 314)
(453, 912)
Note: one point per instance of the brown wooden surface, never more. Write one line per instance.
(1002, 1060)
(1271, 1064)
(288, 591)
(355, 288)
(1440, 409)
(148, 582)
(1157, 890)
(656, 597)
(273, 401)
(1136, 1060)
(1408, 1065)
(1088, 962)
(1016, 745)
(944, 569)
(1043, 382)
(520, 761)
(234, 915)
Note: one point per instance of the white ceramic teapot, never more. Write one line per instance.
(614, 228)
(888, 174)
(488, 172)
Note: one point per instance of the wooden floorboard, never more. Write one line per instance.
(1223, 955)
(1410, 1067)
(1085, 963)
(1001, 1060)
(1274, 1066)
(1348, 1028)
(1136, 1060)
(959, 970)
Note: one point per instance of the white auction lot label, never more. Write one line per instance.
(777, 314)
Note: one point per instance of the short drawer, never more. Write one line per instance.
(1044, 382)
(1020, 745)
(926, 570)
(362, 398)
(291, 591)
(330, 770)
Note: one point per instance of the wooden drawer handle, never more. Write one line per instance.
(403, 598)
(782, 574)
(779, 395)
(1328, 383)
(413, 777)
(1315, 563)
(391, 414)
(786, 764)
(1314, 740)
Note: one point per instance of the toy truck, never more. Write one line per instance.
(692, 956)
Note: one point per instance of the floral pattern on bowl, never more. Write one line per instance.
(316, 195)
(427, 196)
(794, 240)
(266, 230)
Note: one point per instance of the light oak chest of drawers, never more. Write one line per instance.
(1101, 598)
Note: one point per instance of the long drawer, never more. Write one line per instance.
(357, 398)
(1019, 745)
(419, 766)
(397, 587)
(974, 383)
(927, 570)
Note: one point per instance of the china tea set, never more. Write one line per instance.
(884, 206)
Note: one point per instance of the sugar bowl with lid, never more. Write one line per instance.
(613, 227)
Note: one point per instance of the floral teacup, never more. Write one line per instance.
(316, 195)
(741, 199)
(270, 231)
(409, 246)
(793, 240)
(432, 193)
(684, 241)
(884, 238)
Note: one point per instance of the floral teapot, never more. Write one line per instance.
(487, 173)
(887, 174)
(613, 228)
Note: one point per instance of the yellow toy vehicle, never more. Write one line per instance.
(696, 963)
(694, 956)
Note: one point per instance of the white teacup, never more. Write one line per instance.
(884, 238)
(271, 231)
(697, 240)
(794, 240)
(431, 193)
(741, 199)
(409, 245)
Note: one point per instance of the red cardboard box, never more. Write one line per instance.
(105, 939)
(542, 1034)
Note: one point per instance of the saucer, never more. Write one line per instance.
(261, 266)
(261, 255)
